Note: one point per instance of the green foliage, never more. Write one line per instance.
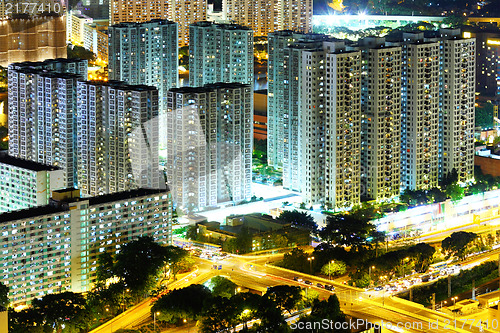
(192, 232)
(422, 254)
(455, 192)
(4, 297)
(79, 52)
(221, 286)
(457, 243)
(321, 310)
(285, 297)
(185, 303)
(352, 230)
(177, 259)
(4, 132)
(484, 116)
(51, 314)
(296, 260)
(334, 268)
(300, 220)
(241, 244)
(105, 267)
(184, 56)
(139, 262)
(221, 315)
(459, 284)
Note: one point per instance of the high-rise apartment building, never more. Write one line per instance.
(381, 119)
(420, 112)
(277, 43)
(25, 184)
(315, 111)
(457, 106)
(265, 16)
(209, 158)
(121, 11)
(42, 107)
(75, 27)
(185, 13)
(32, 38)
(146, 53)
(54, 248)
(342, 132)
(220, 53)
(117, 137)
(58, 65)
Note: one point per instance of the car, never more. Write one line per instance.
(319, 285)
(379, 288)
(329, 287)
(308, 282)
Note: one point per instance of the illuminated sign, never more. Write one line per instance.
(493, 42)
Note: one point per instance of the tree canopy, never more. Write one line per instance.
(300, 220)
(221, 286)
(185, 303)
(4, 296)
(139, 262)
(457, 243)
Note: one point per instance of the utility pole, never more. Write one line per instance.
(449, 285)
(411, 293)
(473, 290)
(433, 301)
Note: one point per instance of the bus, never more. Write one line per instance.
(439, 266)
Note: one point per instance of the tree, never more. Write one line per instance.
(455, 192)
(4, 133)
(423, 254)
(347, 230)
(324, 310)
(139, 262)
(221, 286)
(185, 303)
(285, 297)
(192, 232)
(296, 260)
(68, 309)
(221, 315)
(335, 267)
(79, 52)
(456, 244)
(300, 220)
(279, 241)
(4, 297)
(105, 266)
(177, 259)
(449, 179)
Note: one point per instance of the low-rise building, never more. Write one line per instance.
(25, 184)
(55, 247)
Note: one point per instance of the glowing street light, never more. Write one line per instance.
(310, 259)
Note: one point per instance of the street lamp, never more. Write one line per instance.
(154, 320)
(404, 266)
(441, 307)
(330, 272)
(310, 264)
(454, 308)
(370, 274)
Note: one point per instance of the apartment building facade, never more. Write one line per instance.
(220, 53)
(117, 137)
(25, 184)
(54, 248)
(266, 16)
(210, 137)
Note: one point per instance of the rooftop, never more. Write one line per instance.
(59, 206)
(25, 164)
